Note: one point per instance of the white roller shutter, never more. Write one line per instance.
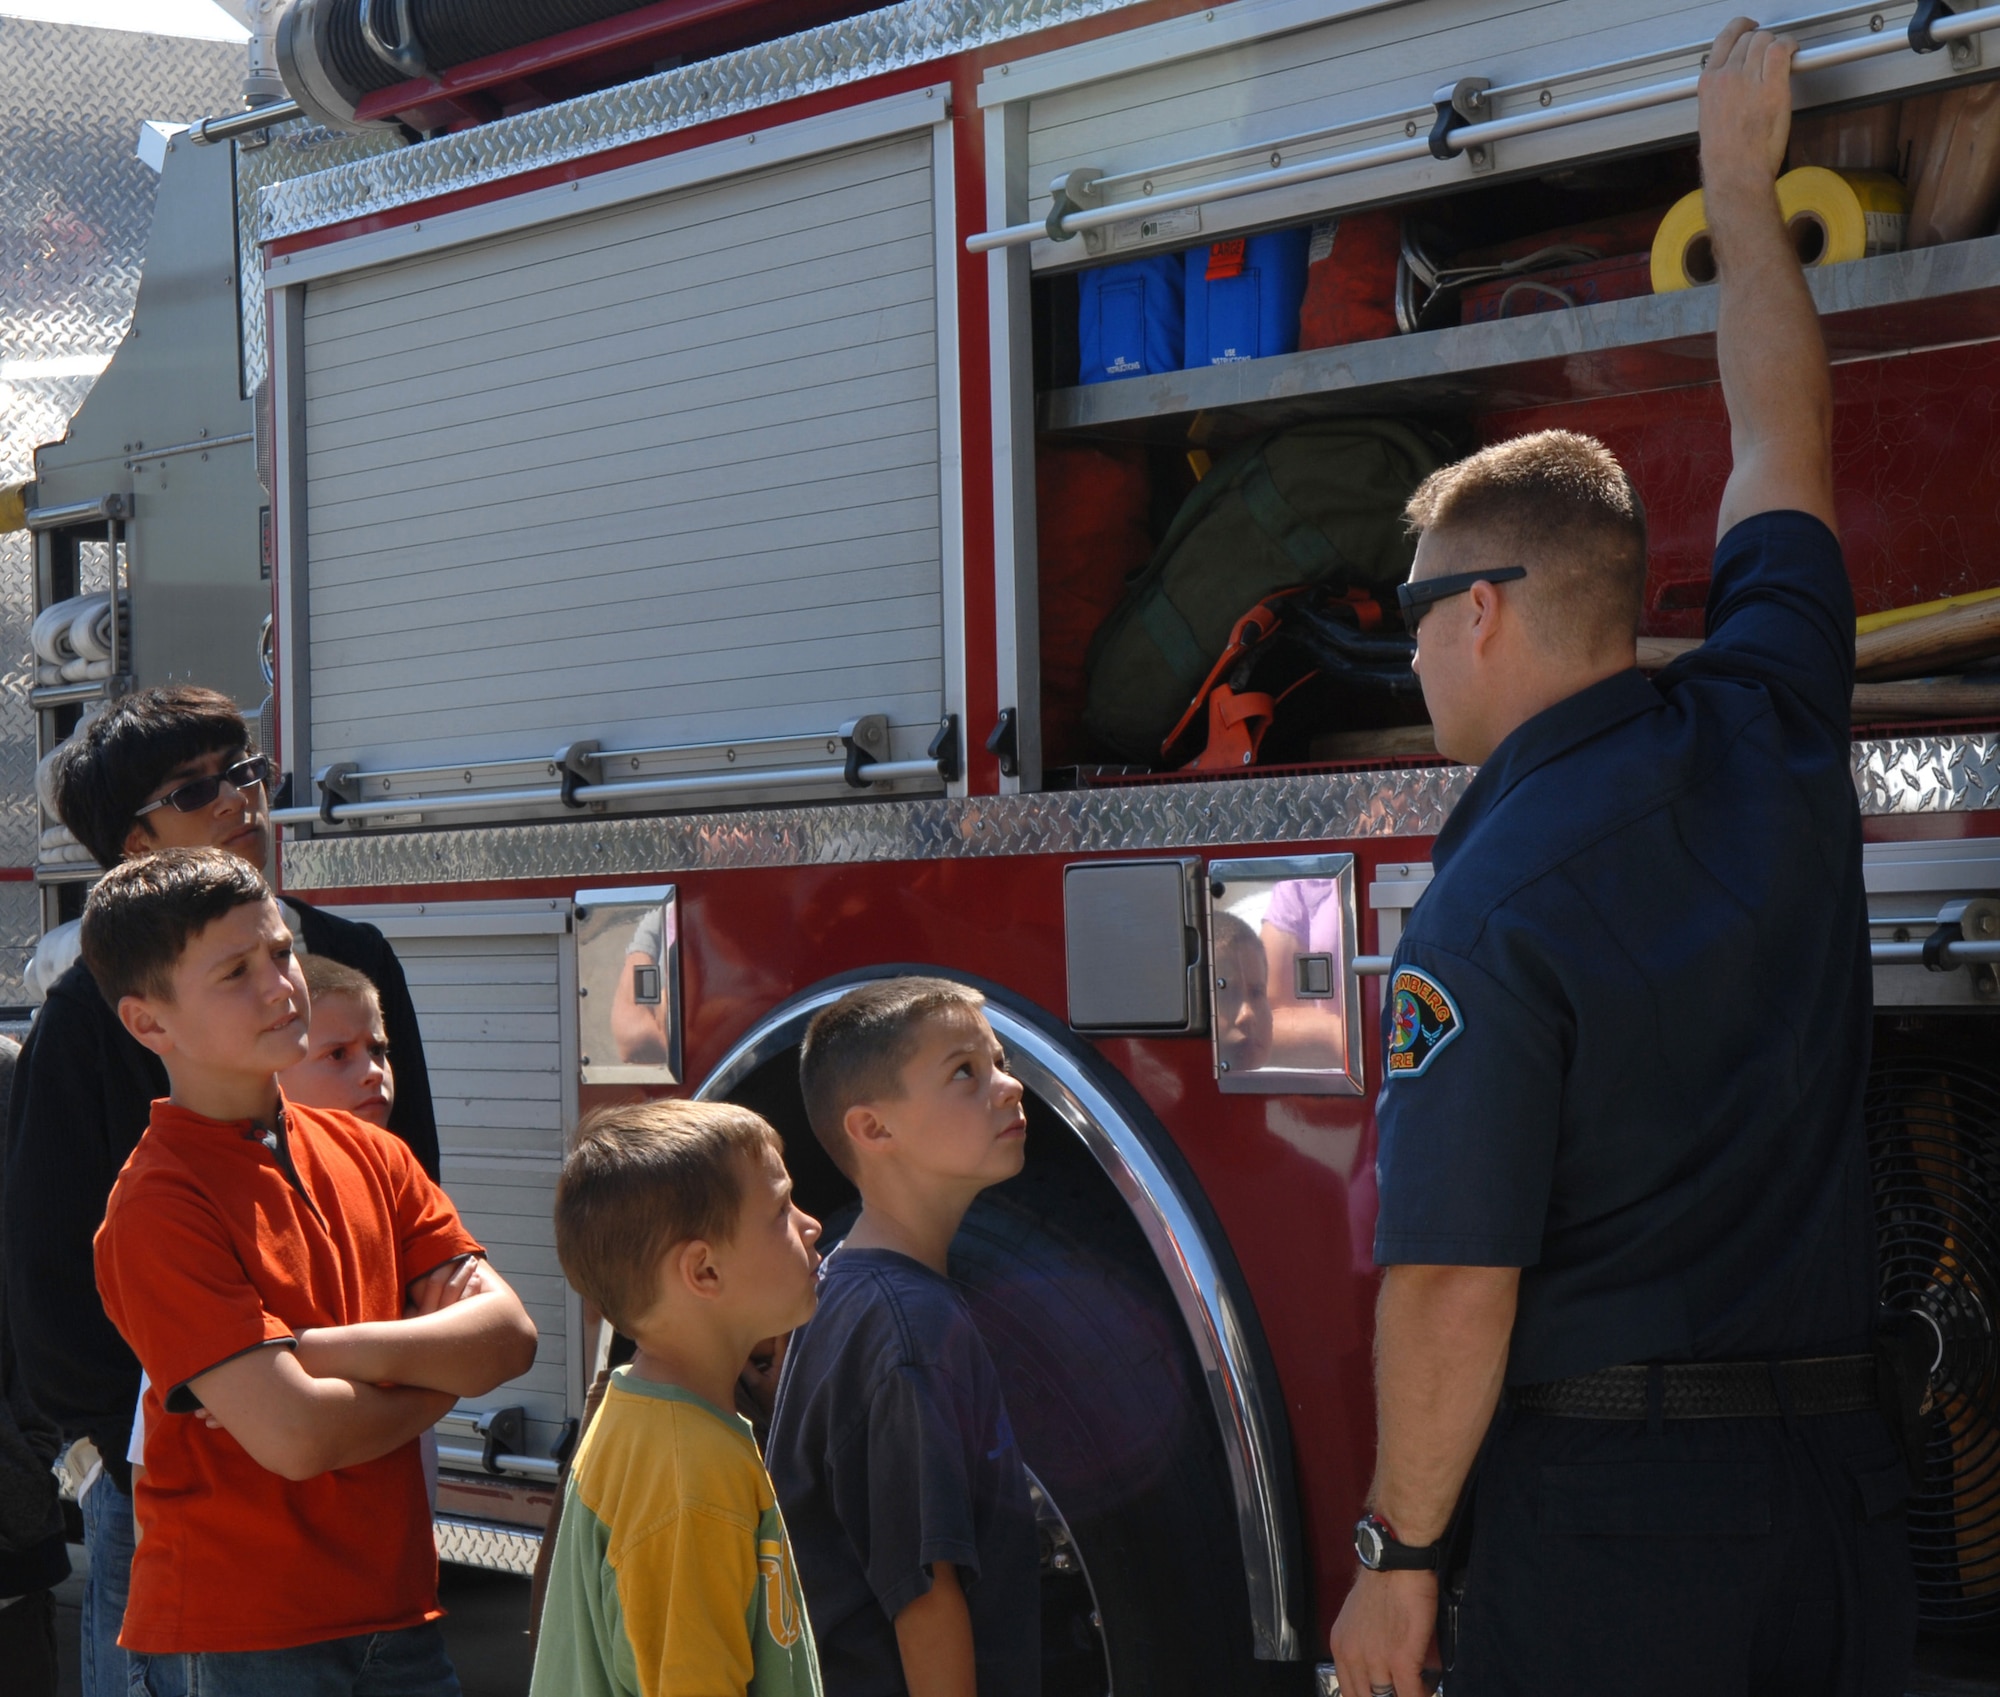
(490, 1003)
(666, 473)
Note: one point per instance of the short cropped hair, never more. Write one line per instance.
(326, 976)
(641, 1178)
(105, 772)
(1562, 505)
(143, 913)
(855, 1051)
(1232, 931)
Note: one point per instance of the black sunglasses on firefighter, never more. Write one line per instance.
(1416, 599)
(198, 793)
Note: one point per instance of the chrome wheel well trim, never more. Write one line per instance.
(1180, 1246)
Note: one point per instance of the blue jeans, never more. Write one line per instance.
(409, 1663)
(107, 1536)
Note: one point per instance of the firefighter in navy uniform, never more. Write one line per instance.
(1624, 1201)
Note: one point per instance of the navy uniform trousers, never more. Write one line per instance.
(1718, 1557)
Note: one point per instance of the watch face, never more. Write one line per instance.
(1368, 1544)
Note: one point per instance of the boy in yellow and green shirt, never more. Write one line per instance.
(672, 1575)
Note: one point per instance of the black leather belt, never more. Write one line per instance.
(1709, 1390)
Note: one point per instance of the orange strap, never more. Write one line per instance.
(1236, 727)
(1225, 259)
(1263, 619)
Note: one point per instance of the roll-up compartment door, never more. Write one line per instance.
(664, 474)
(492, 984)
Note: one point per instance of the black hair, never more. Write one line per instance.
(105, 772)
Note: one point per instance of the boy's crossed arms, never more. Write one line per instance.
(343, 1395)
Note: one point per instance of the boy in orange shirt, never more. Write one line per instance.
(259, 1257)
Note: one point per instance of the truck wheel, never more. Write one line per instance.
(1111, 1416)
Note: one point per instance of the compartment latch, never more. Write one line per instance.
(1459, 104)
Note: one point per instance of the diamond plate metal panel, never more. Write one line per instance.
(20, 824)
(1157, 817)
(1903, 775)
(1928, 774)
(75, 208)
(485, 1543)
(20, 931)
(76, 203)
(293, 150)
(831, 56)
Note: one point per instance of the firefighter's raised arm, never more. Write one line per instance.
(1774, 371)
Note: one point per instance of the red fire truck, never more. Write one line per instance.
(681, 487)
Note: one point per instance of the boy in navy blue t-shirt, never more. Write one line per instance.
(890, 1447)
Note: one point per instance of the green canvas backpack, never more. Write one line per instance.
(1309, 503)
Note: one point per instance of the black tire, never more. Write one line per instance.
(1110, 1411)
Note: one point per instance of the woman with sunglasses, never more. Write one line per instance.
(163, 768)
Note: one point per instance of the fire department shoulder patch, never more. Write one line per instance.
(1423, 1020)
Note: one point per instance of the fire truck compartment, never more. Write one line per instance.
(652, 476)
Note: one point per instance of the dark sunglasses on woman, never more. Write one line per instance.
(198, 793)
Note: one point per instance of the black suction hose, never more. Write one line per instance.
(447, 32)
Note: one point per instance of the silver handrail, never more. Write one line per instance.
(468, 801)
(1482, 133)
(206, 130)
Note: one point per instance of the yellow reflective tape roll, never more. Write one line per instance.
(1832, 217)
(1682, 257)
(1835, 216)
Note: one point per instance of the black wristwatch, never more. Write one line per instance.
(1382, 1552)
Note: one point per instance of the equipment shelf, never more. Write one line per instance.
(1896, 303)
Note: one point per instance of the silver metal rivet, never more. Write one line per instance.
(1410, 128)
(1147, 186)
(1875, 23)
(1547, 97)
(1277, 159)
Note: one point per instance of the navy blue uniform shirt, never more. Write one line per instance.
(1629, 1022)
(891, 1450)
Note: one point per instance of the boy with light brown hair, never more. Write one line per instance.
(347, 1055)
(890, 1444)
(672, 1571)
